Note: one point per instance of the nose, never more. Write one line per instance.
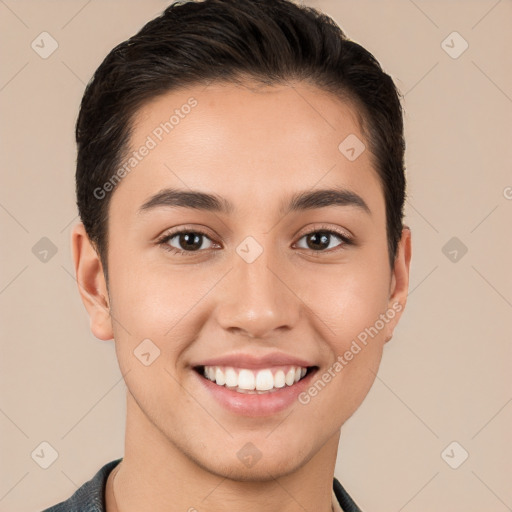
(257, 299)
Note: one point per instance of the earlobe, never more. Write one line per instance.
(399, 287)
(91, 283)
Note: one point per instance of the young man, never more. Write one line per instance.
(240, 182)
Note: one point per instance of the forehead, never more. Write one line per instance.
(250, 144)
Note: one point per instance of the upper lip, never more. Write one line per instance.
(252, 361)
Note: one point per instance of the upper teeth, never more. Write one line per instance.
(260, 380)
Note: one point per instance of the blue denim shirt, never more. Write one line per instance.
(91, 496)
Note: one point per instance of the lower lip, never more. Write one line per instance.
(249, 404)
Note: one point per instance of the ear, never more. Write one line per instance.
(91, 283)
(399, 287)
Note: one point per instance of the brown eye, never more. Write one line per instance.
(320, 240)
(186, 241)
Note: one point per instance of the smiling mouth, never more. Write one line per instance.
(251, 381)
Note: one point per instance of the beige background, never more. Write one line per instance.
(445, 376)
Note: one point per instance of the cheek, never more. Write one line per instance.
(151, 301)
(155, 320)
(350, 317)
(351, 304)
(349, 301)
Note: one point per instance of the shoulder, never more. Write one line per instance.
(90, 497)
(346, 502)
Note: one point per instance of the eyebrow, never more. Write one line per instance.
(305, 200)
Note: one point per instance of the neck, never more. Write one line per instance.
(156, 476)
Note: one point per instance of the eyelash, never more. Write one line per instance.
(164, 239)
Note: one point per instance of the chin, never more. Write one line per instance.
(253, 465)
(261, 472)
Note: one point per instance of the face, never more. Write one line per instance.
(257, 293)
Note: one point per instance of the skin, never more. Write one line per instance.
(255, 147)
